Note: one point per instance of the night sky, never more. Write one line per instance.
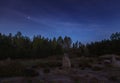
(82, 20)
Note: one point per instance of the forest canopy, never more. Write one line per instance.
(19, 46)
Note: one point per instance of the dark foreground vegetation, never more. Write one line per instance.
(19, 46)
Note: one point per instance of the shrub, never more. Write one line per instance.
(96, 68)
(94, 80)
(50, 64)
(46, 70)
(113, 78)
(30, 73)
(84, 65)
(82, 68)
(11, 69)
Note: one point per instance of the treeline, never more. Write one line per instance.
(95, 49)
(106, 46)
(19, 46)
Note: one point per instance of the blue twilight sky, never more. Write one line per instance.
(83, 20)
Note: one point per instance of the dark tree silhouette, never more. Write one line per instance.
(19, 46)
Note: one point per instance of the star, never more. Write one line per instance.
(28, 17)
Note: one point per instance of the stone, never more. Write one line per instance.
(115, 63)
(66, 64)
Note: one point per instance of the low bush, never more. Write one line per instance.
(113, 78)
(94, 80)
(84, 65)
(46, 70)
(30, 73)
(50, 64)
(11, 69)
(97, 68)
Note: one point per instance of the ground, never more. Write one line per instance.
(85, 70)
